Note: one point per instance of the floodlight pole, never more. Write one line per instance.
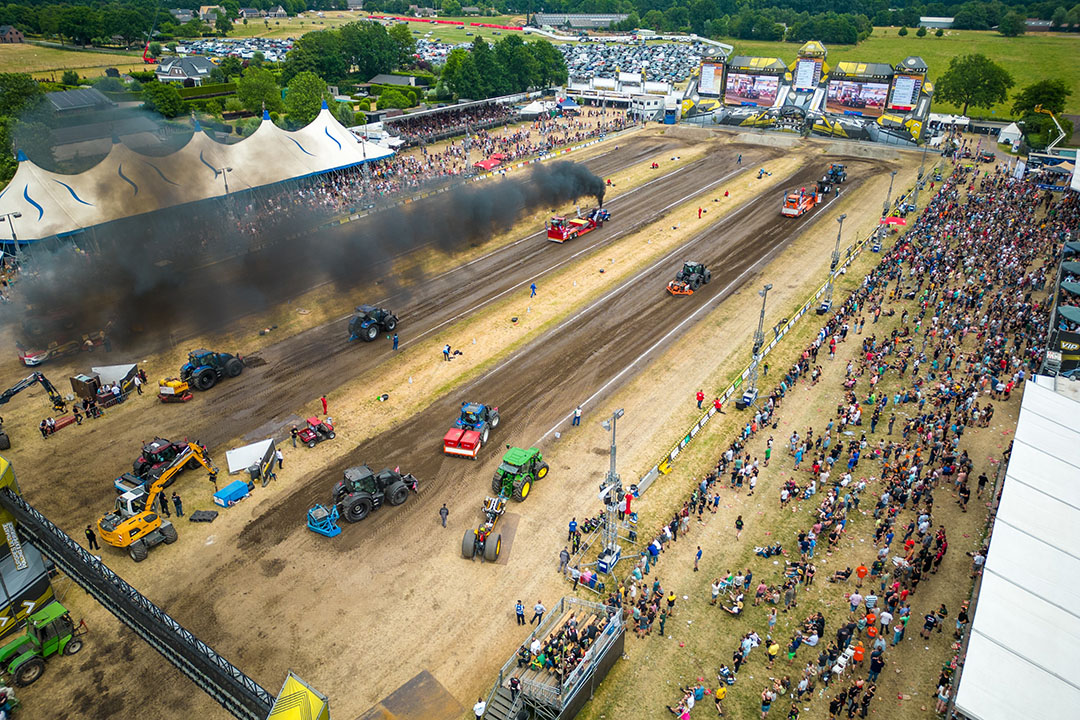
(835, 259)
(225, 176)
(921, 180)
(759, 341)
(888, 195)
(610, 494)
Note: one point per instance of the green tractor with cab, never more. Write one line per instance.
(517, 472)
(50, 631)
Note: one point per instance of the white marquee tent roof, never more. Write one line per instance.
(1023, 660)
(126, 183)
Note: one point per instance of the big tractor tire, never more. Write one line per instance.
(234, 367)
(169, 533)
(339, 492)
(138, 551)
(5, 441)
(397, 494)
(206, 379)
(357, 507)
(708, 276)
(493, 547)
(391, 323)
(371, 332)
(542, 471)
(494, 420)
(484, 436)
(29, 672)
(468, 544)
(496, 484)
(73, 646)
(522, 488)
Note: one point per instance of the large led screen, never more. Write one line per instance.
(905, 91)
(753, 90)
(846, 97)
(807, 74)
(712, 79)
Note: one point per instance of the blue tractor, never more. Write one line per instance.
(369, 321)
(204, 368)
(471, 430)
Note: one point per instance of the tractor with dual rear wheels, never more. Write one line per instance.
(361, 490)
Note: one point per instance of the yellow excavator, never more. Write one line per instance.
(133, 524)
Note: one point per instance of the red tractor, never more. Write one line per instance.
(315, 432)
(560, 229)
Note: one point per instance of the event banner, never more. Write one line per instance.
(752, 90)
(1068, 344)
(807, 73)
(856, 98)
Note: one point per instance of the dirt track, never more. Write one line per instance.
(264, 400)
(538, 387)
(390, 597)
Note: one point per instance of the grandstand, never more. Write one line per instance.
(856, 100)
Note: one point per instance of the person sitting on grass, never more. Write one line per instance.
(736, 605)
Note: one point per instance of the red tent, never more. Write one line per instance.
(487, 164)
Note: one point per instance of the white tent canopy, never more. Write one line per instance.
(1010, 134)
(241, 458)
(110, 374)
(126, 183)
(1023, 660)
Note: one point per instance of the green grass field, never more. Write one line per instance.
(51, 62)
(295, 27)
(1028, 58)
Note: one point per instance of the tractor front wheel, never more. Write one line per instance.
(206, 379)
(468, 544)
(234, 367)
(312, 444)
(542, 471)
(29, 672)
(74, 645)
(330, 435)
(391, 323)
(494, 420)
(169, 533)
(492, 547)
(357, 508)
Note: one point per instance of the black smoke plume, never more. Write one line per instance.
(198, 267)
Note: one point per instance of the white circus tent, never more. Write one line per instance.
(126, 183)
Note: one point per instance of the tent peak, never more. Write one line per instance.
(266, 114)
(21, 156)
(324, 106)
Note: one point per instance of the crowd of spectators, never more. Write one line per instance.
(431, 127)
(972, 268)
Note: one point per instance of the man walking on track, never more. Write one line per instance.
(519, 609)
(443, 513)
(324, 406)
(538, 613)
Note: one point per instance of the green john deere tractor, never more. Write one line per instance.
(49, 632)
(518, 471)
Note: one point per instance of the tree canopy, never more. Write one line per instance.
(304, 98)
(974, 80)
(258, 89)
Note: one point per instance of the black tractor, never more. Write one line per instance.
(369, 321)
(692, 276)
(204, 368)
(361, 491)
